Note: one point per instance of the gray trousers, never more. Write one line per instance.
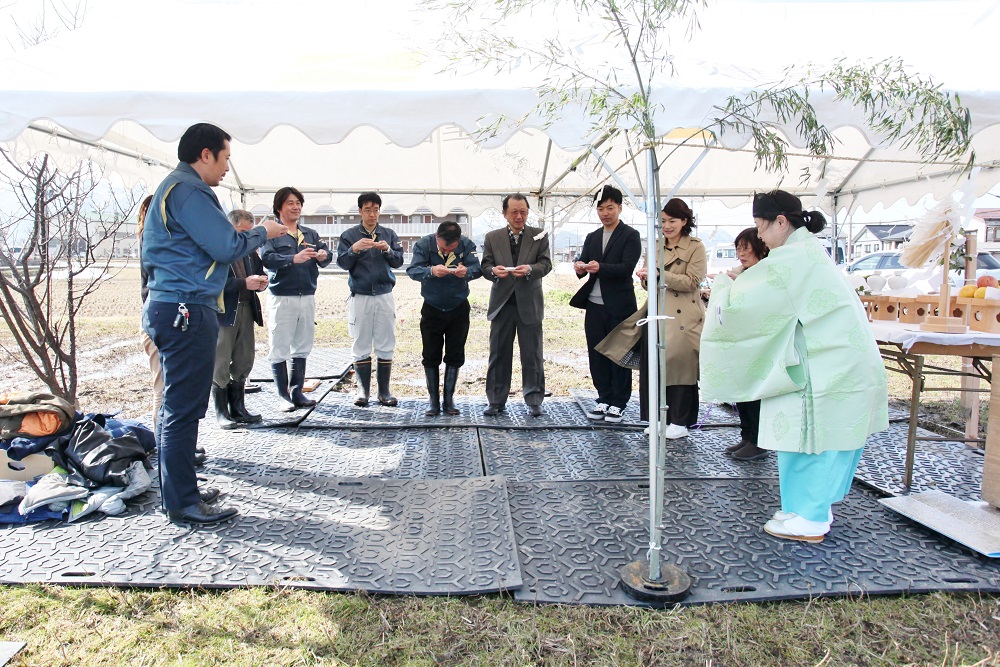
(291, 326)
(234, 350)
(371, 322)
(503, 328)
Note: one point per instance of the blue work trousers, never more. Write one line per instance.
(188, 362)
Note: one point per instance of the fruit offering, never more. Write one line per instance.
(967, 291)
(987, 281)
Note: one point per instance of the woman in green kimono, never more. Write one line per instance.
(792, 333)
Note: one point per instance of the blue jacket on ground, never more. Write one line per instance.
(448, 292)
(370, 270)
(188, 242)
(287, 277)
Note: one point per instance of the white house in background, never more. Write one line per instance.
(876, 238)
(986, 222)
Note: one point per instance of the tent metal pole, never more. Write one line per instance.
(617, 179)
(545, 169)
(690, 170)
(583, 156)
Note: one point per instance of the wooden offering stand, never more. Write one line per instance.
(944, 322)
(984, 314)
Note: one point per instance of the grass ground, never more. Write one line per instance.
(268, 626)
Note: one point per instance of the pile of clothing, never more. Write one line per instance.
(99, 461)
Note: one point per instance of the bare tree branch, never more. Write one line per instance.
(70, 237)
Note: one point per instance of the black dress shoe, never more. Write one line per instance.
(208, 495)
(199, 460)
(198, 449)
(201, 513)
(535, 410)
(494, 410)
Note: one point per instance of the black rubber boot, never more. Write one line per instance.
(221, 399)
(385, 397)
(363, 371)
(237, 409)
(297, 382)
(434, 390)
(450, 380)
(280, 372)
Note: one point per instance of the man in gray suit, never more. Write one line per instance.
(516, 258)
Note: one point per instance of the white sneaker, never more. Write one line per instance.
(675, 431)
(599, 411)
(797, 528)
(785, 516)
(613, 414)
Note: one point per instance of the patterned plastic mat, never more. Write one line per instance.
(338, 410)
(322, 363)
(718, 414)
(562, 455)
(951, 467)
(266, 404)
(575, 537)
(385, 536)
(261, 454)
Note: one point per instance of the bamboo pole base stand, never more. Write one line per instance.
(941, 324)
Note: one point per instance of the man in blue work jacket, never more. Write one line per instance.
(444, 263)
(187, 247)
(369, 253)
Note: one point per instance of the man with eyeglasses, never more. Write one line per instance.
(516, 258)
(369, 253)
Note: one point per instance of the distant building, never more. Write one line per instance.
(410, 228)
(876, 238)
(989, 235)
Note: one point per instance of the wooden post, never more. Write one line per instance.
(970, 399)
(991, 465)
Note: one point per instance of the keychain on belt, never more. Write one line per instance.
(181, 321)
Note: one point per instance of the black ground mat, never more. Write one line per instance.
(574, 538)
(323, 363)
(338, 410)
(718, 414)
(265, 403)
(385, 536)
(395, 454)
(950, 467)
(562, 455)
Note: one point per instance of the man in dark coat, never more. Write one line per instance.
(234, 353)
(608, 257)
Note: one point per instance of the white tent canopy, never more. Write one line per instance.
(338, 99)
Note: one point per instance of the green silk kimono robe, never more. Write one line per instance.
(792, 333)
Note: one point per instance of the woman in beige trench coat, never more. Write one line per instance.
(684, 266)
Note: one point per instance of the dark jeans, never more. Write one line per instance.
(444, 331)
(613, 382)
(749, 420)
(188, 362)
